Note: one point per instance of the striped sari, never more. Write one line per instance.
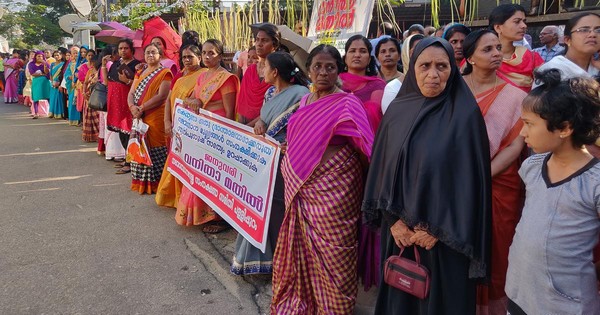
(315, 263)
(169, 188)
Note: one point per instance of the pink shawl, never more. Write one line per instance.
(311, 128)
(369, 90)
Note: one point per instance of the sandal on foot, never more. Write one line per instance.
(119, 165)
(123, 170)
(215, 227)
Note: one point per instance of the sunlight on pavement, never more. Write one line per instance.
(37, 190)
(50, 152)
(51, 179)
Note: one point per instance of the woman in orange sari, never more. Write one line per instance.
(146, 101)
(215, 91)
(500, 104)
(169, 188)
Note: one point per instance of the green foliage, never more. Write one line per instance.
(35, 25)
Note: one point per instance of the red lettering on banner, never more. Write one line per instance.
(335, 15)
(211, 190)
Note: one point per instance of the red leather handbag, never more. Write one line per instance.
(407, 275)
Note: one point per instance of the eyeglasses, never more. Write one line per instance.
(151, 53)
(586, 30)
(188, 57)
(327, 68)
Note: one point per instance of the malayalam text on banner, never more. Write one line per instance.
(334, 21)
(229, 167)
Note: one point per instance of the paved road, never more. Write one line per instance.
(75, 240)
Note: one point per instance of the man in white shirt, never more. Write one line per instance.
(549, 38)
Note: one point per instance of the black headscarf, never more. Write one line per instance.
(431, 165)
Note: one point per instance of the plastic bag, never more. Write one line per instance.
(137, 151)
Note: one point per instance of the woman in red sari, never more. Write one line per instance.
(253, 87)
(518, 63)
(120, 77)
(215, 91)
(146, 101)
(500, 104)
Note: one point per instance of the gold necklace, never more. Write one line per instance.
(475, 93)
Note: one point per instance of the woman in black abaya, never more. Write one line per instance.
(429, 184)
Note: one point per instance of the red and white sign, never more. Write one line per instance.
(334, 21)
(229, 167)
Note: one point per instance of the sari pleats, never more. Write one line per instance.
(314, 269)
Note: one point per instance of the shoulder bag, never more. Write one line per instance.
(98, 97)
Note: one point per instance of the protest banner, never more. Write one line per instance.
(334, 21)
(229, 167)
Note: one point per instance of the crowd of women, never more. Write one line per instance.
(500, 228)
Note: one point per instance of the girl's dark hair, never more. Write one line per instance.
(387, 40)
(571, 24)
(573, 103)
(326, 49)
(160, 51)
(219, 46)
(189, 38)
(252, 48)
(287, 68)
(272, 31)
(372, 66)
(455, 28)
(502, 13)
(129, 43)
(470, 45)
(415, 40)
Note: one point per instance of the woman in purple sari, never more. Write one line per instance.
(315, 262)
(11, 76)
(40, 82)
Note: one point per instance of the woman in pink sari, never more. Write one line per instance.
(11, 76)
(500, 104)
(315, 262)
(361, 79)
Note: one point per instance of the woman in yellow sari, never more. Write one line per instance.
(216, 91)
(146, 101)
(169, 187)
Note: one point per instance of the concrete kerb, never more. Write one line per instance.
(204, 250)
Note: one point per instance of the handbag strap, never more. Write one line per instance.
(417, 256)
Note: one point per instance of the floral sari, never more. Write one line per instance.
(315, 263)
(210, 88)
(146, 85)
(169, 188)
